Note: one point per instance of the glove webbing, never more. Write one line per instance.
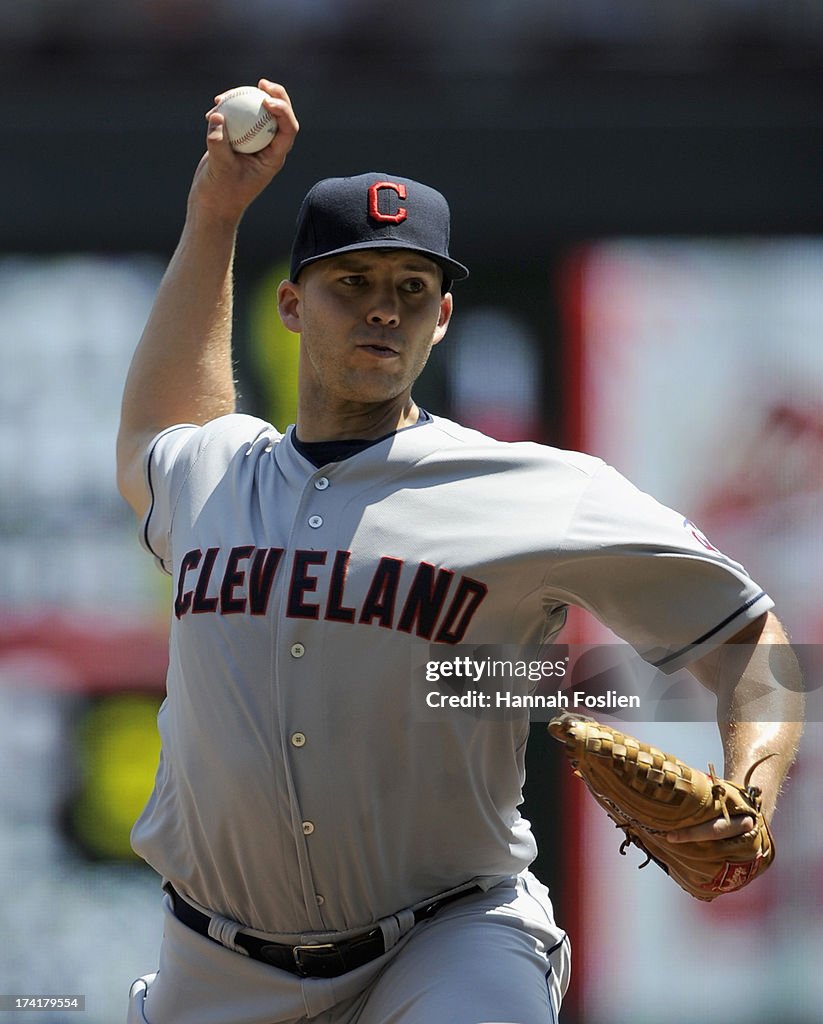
(649, 771)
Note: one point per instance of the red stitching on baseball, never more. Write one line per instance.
(260, 123)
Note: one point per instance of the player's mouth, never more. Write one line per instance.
(379, 350)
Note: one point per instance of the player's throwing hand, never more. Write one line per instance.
(226, 181)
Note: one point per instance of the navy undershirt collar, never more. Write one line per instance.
(321, 453)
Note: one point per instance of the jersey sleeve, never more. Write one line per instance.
(183, 452)
(650, 575)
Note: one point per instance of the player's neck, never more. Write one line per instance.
(328, 421)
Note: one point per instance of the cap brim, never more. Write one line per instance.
(453, 270)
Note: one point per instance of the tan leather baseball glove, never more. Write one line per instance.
(648, 793)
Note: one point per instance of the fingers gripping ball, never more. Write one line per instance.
(249, 125)
(648, 793)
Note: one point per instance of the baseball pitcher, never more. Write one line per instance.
(327, 851)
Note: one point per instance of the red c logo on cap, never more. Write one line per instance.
(391, 218)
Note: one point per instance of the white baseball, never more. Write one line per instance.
(249, 125)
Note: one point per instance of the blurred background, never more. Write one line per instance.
(636, 186)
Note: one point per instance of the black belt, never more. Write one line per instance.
(314, 960)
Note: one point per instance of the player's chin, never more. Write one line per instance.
(381, 378)
(376, 388)
(374, 368)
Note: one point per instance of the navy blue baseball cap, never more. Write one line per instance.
(373, 211)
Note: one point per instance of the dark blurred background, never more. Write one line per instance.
(554, 127)
(545, 121)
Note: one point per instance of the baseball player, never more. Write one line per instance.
(329, 853)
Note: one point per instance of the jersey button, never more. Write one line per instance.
(315, 522)
(321, 483)
(308, 828)
(319, 900)
(298, 739)
(297, 650)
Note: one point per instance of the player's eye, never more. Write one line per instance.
(414, 285)
(353, 280)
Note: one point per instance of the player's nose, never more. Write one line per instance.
(384, 307)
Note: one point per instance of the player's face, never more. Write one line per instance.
(367, 321)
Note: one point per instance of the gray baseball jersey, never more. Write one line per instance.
(299, 788)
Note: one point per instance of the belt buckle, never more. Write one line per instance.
(317, 947)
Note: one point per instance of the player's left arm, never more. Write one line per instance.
(760, 711)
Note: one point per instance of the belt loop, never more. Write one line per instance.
(396, 926)
(405, 918)
(224, 931)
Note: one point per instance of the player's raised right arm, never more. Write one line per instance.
(182, 370)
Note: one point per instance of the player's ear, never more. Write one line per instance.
(289, 297)
(443, 317)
